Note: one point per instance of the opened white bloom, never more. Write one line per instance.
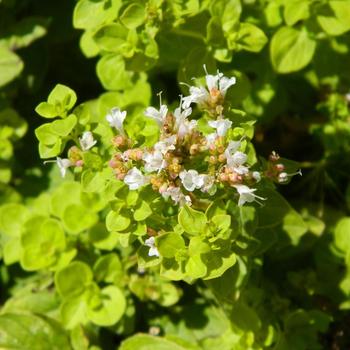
(87, 141)
(246, 194)
(232, 147)
(135, 179)
(182, 124)
(116, 119)
(166, 145)
(197, 95)
(191, 179)
(211, 138)
(236, 161)
(158, 116)
(151, 243)
(177, 196)
(154, 161)
(218, 82)
(221, 126)
(62, 163)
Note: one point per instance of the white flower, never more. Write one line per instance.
(87, 141)
(211, 138)
(62, 163)
(232, 147)
(197, 95)
(135, 179)
(166, 145)
(218, 82)
(221, 126)
(191, 179)
(236, 161)
(256, 176)
(182, 124)
(215, 84)
(154, 161)
(116, 119)
(177, 196)
(153, 251)
(158, 116)
(246, 194)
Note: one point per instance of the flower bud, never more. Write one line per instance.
(279, 167)
(79, 163)
(222, 158)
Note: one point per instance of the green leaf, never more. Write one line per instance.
(73, 311)
(192, 221)
(31, 332)
(46, 110)
(89, 14)
(111, 309)
(133, 16)
(41, 240)
(142, 211)
(295, 11)
(112, 74)
(45, 134)
(222, 222)
(73, 279)
(169, 244)
(111, 37)
(245, 318)
(291, 50)
(65, 126)
(342, 234)
(146, 342)
(251, 38)
(10, 65)
(118, 221)
(62, 96)
(12, 217)
(108, 268)
(336, 23)
(24, 32)
(77, 218)
(195, 267)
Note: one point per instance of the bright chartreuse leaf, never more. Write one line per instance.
(112, 73)
(146, 342)
(169, 244)
(291, 49)
(142, 211)
(12, 217)
(192, 221)
(118, 221)
(32, 332)
(92, 13)
(73, 279)
(111, 37)
(77, 218)
(11, 65)
(296, 10)
(133, 16)
(110, 310)
(60, 100)
(342, 234)
(108, 268)
(250, 38)
(336, 21)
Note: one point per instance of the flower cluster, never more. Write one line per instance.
(185, 162)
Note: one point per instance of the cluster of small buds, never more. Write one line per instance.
(276, 170)
(74, 159)
(170, 165)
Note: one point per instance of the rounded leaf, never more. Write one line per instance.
(291, 50)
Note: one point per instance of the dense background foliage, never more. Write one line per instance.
(290, 285)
